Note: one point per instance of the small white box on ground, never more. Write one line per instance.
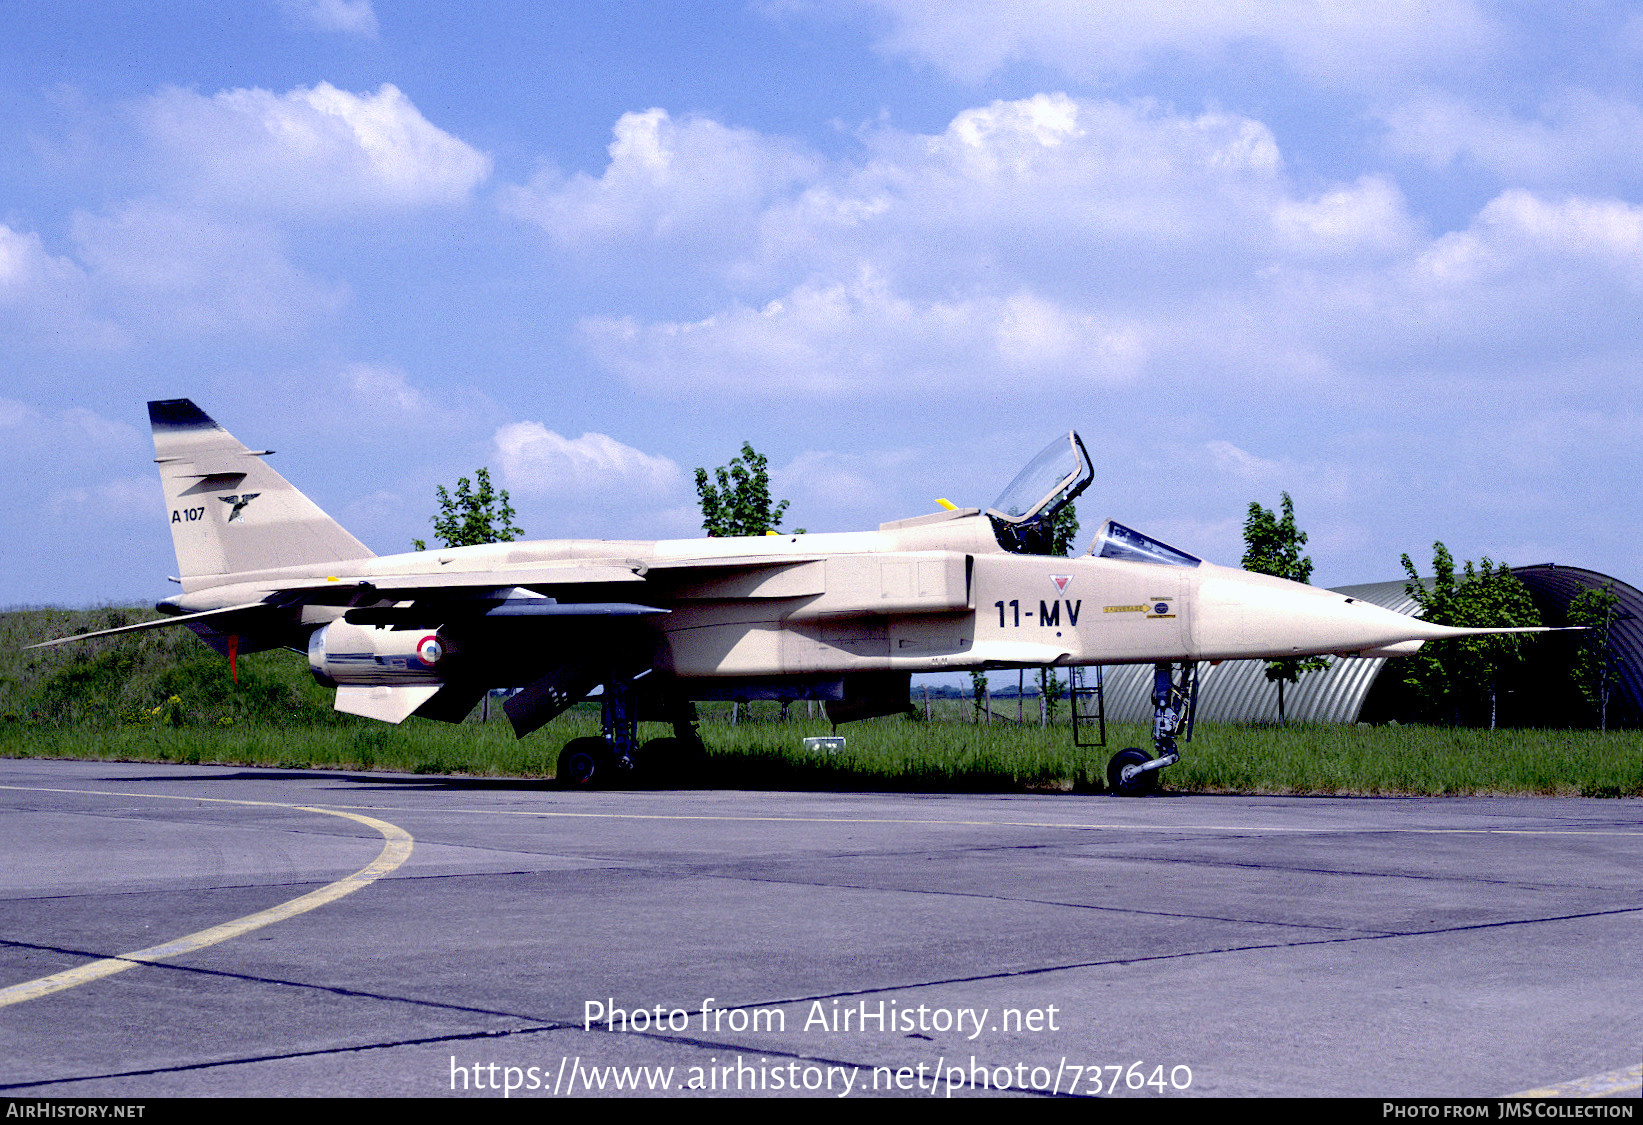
(826, 744)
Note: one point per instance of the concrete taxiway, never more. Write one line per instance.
(220, 931)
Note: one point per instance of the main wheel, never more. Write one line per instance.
(1138, 786)
(586, 763)
(674, 762)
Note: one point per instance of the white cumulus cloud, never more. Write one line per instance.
(855, 337)
(1605, 230)
(48, 296)
(537, 461)
(25, 265)
(74, 437)
(665, 178)
(1042, 193)
(1050, 245)
(1578, 137)
(1054, 167)
(1368, 217)
(1522, 241)
(1049, 239)
(829, 490)
(311, 152)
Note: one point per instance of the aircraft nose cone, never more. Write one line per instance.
(1241, 615)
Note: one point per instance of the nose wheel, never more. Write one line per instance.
(1126, 779)
(1133, 772)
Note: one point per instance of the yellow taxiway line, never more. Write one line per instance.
(1627, 1082)
(396, 849)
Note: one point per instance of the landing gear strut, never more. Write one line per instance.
(1131, 773)
(615, 757)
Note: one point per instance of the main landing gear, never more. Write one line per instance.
(1132, 772)
(616, 758)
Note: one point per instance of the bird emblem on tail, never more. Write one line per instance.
(239, 503)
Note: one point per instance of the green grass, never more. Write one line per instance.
(161, 696)
(906, 756)
(1410, 760)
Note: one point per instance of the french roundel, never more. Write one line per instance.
(429, 650)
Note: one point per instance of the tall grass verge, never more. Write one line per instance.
(899, 755)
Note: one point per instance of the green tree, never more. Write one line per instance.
(1050, 688)
(473, 516)
(740, 503)
(1460, 679)
(1272, 545)
(1064, 535)
(978, 696)
(1594, 608)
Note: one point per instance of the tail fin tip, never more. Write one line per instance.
(179, 414)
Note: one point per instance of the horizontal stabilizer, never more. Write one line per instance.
(204, 618)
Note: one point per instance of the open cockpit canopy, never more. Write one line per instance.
(1024, 514)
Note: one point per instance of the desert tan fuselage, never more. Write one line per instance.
(930, 594)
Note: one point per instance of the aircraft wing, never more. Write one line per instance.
(541, 578)
(338, 589)
(570, 590)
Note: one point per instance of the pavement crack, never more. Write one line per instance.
(251, 978)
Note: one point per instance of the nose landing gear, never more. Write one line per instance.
(1131, 772)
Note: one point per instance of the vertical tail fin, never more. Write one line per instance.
(229, 511)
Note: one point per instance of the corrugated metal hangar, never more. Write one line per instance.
(1355, 690)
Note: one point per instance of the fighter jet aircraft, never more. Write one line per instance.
(842, 618)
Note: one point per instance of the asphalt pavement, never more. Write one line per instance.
(195, 931)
